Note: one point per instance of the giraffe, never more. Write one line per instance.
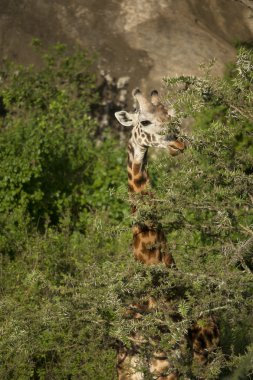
(149, 242)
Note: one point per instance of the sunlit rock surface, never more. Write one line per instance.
(143, 39)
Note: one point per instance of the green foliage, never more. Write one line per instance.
(51, 158)
(65, 286)
(205, 201)
(59, 216)
(48, 329)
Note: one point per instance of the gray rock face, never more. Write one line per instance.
(143, 39)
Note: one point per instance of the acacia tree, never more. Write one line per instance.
(207, 204)
(204, 201)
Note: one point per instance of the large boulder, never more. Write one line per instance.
(143, 39)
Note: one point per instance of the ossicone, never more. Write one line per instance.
(143, 104)
(155, 98)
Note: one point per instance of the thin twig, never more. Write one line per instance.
(246, 229)
(214, 309)
(241, 112)
(242, 250)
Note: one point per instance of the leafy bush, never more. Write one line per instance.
(59, 216)
(205, 201)
(51, 158)
(65, 286)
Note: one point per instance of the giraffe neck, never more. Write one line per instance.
(137, 168)
(149, 241)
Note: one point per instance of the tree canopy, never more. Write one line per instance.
(67, 271)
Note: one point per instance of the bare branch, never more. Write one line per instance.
(246, 229)
(243, 249)
(241, 112)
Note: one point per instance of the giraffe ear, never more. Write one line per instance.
(124, 118)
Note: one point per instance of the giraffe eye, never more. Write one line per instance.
(145, 123)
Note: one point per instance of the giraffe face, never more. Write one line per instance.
(149, 122)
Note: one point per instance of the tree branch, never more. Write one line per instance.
(243, 249)
(241, 112)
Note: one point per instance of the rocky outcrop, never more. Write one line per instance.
(143, 39)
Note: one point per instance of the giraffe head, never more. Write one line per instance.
(148, 122)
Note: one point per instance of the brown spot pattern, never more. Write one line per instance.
(203, 340)
(136, 169)
(137, 176)
(150, 246)
(148, 136)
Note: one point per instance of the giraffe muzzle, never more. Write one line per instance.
(176, 147)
